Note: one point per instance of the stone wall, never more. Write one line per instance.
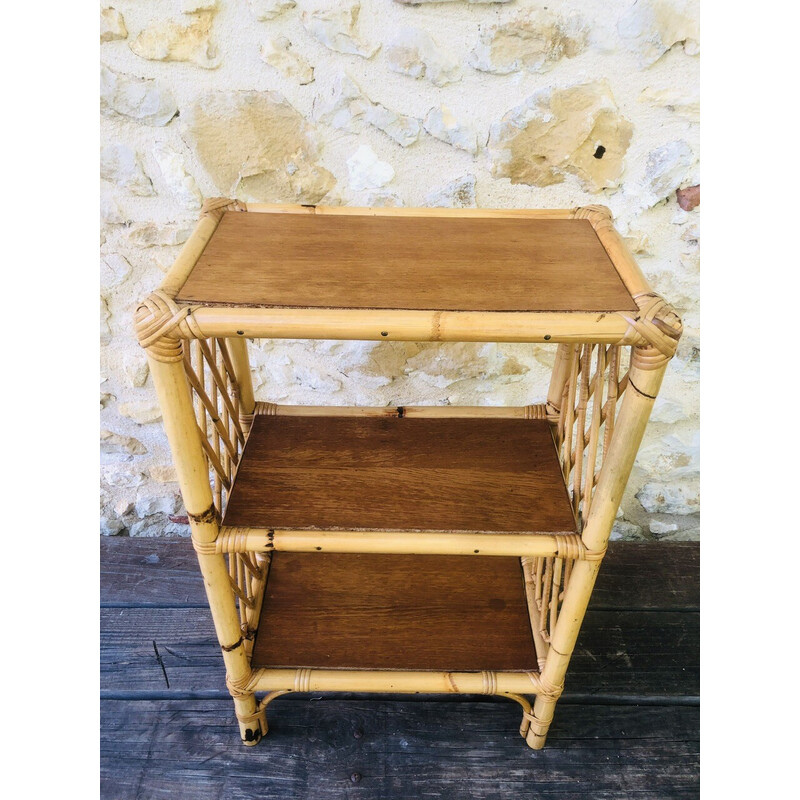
(465, 103)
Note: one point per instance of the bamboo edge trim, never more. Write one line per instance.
(306, 679)
(233, 539)
(537, 411)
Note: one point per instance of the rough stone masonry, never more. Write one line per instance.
(463, 103)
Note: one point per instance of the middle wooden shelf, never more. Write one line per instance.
(364, 473)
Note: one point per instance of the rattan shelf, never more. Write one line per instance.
(412, 549)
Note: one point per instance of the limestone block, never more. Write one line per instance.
(142, 412)
(347, 108)
(115, 269)
(264, 10)
(344, 107)
(459, 193)
(685, 102)
(659, 527)
(114, 443)
(157, 525)
(335, 25)
(403, 129)
(123, 507)
(112, 25)
(111, 525)
(623, 531)
(680, 496)
(120, 165)
(152, 234)
(174, 177)
(666, 168)
(533, 41)
(277, 53)
(441, 123)
(255, 146)
(638, 242)
(413, 52)
(366, 171)
(187, 39)
(111, 212)
(136, 369)
(651, 27)
(124, 476)
(577, 130)
(142, 99)
(148, 503)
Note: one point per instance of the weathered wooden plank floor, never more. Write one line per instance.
(627, 726)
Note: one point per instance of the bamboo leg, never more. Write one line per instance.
(174, 397)
(628, 431)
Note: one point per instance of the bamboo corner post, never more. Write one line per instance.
(607, 373)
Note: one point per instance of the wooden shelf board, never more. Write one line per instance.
(396, 473)
(413, 263)
(342, 611)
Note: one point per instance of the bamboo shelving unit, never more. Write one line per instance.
(406, 549)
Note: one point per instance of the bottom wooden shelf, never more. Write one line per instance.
(397, 612)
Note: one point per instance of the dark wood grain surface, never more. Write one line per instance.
(303, 260)
(335, 749)
(451, 613)
(394, 473)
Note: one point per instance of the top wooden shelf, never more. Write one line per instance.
(420, 274)
(426, 263)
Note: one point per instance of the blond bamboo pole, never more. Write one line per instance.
(562, 642)
(263, 562)
(192, 249)
(603, 223)
(558, 379)
(259, 540)
(237, 347)
(533, 610)
(172, 388)
(459, 213)
(419, 412)
(629, 427)
(413, 326)
(401, 681)
(643, 386)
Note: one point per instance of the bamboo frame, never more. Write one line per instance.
(598, 413)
